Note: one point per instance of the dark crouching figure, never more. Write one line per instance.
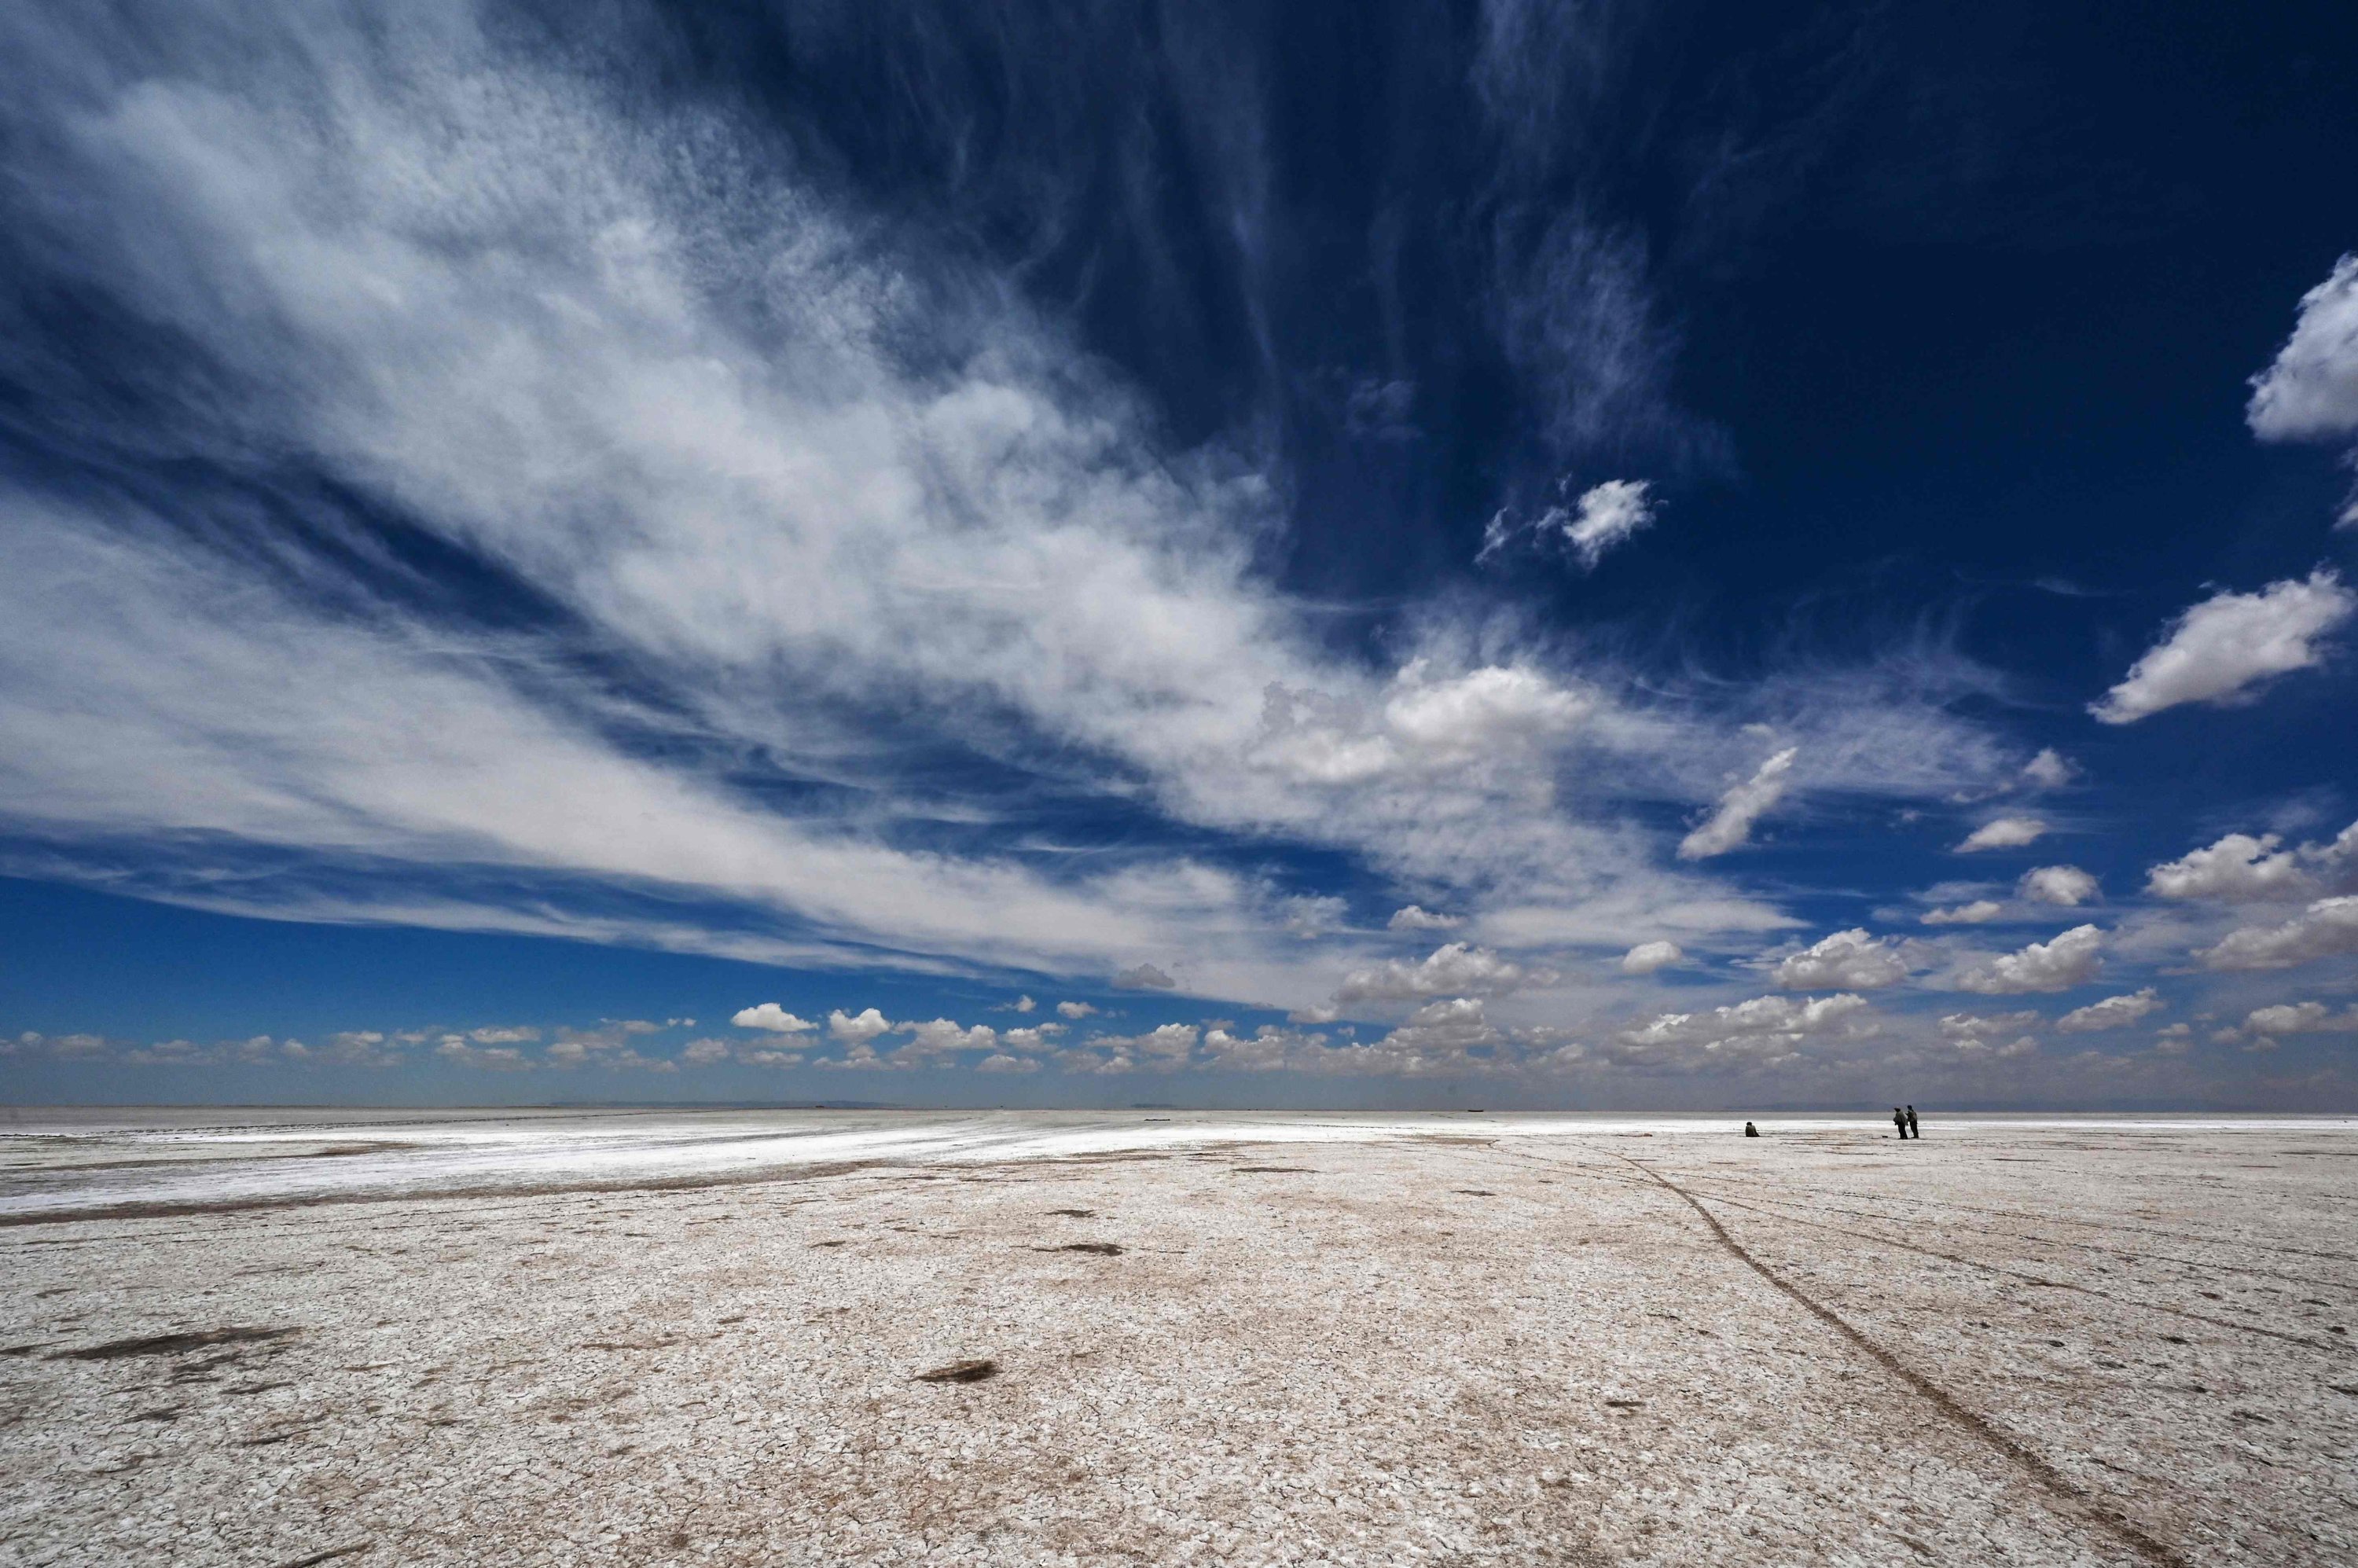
(1750, 1130)
(1899, 1121)
(1913, 1131)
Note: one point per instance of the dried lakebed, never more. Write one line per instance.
(790, 1339)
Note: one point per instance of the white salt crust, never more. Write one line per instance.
(1373, 1340)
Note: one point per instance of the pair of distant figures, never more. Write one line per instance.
(1904, 1118)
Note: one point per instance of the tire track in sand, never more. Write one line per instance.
(2073, 1499)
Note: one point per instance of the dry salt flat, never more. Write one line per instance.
(683, 1338)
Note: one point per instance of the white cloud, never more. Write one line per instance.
(2240, 868)
(703, 1053)
(1413, 918)
(2066, 885)
(2049, 770)
(1455, 969)
(769, 1015)
(1320, 1014)
(2301, 1018)
(1076, 1011)
(1983, 1025)
(2174, 1039)
(1730, 826)
(1609, 513)
(630, 362)
(1979, 912)
(2325, 929)
(2221, 649)
(2112, 1012)
(1605, 516)
(1144, 977)
(1763, 1032)
(1847, 960)
(516, 1035)
(2070, 959)
(942, 1037)
(1024, 1004)
(494, 1058)
(1039, 1037)
(2003, 833)
(1002, 1062)
(1646, 957)
(1163, 1049)
(2310, 392)
(1441, 720)
(860, 1029)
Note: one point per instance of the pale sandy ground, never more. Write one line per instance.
(1448, 1340)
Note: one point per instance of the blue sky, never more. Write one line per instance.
(1526, 553)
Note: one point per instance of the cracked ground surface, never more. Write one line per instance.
(1439, 1340)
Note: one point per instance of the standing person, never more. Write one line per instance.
(1899, 1121)
(1913, 1131)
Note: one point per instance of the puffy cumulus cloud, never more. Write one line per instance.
(858, 1057)
(1023, 1004)
(2112, 1012)
(2070, 959)
(2066, 885)
(1444, 721)
(1267, 1049)
(1764, 1032)
(2310, 392)
(1453, 968)
(2221, 650)
(769, 1015)
(360, 1048)
(1318, 1014)
(2003, 833)
(762, 1059)
(942, 1038)
(1847, 960)
(2301, 1018)
(1982, 1025)
(608, 1046)
(455, 1049)
(2174, 1039)
(1646, 957)
(1037, 1037)
(1076, 1011)
(1608, 515)
(1001, 1062)
(2240, 868)
(859, 1029)
(1163, 1049)
(1979, 912)
(508, 1034)
(1477, 729)
(1729, 826)
(2049, 770)
(704, 1053)
(65, 1047)
(1981, 1036)
(1413, 918)
(1145, 978)
(2325, 929)
(1451, 1038)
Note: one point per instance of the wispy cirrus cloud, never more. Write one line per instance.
(657, 551)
